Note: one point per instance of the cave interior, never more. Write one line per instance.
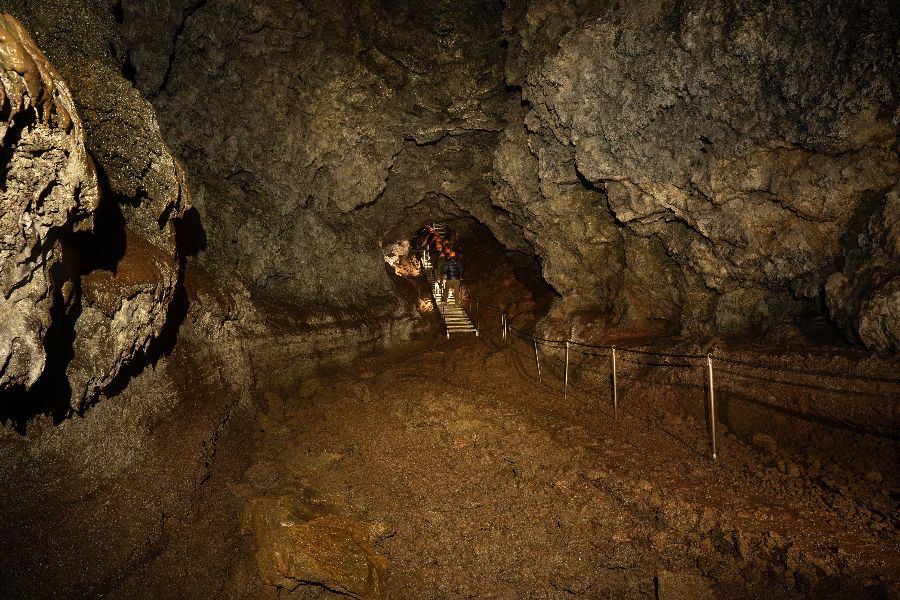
(225, 372)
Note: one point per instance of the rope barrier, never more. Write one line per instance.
(707, 365)
(714, 355)
(745, 363)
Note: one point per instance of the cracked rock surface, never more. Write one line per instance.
(734, 168)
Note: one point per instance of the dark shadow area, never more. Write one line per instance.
(20, 121)
(190, 233)
(103, 247)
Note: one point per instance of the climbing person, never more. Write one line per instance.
(439, 270)
(449, 234)
(452, 273)
(420, 243)
(425, 242)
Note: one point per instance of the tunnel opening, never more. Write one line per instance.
(492, 274)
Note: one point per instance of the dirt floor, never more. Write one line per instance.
(474, 480)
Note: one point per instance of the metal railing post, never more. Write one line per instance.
(538, 361)
(566, 388)
(712, 404)
(615, 386)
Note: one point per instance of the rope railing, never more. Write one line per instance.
(611, 351)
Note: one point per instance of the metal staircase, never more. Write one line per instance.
(453, 317)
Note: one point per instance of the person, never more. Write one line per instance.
(433, 254)
(452, 273)
(439, 269)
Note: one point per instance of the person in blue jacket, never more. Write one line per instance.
(452, 273)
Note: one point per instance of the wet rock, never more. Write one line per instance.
(49, 189)
(298, 546)
(122, 312)
(682, 586)
(126, 306)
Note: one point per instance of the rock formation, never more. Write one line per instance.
(693, 145)
(118, 280)
(685, 169)
(49, 189)
(311, 132)
(725, 161)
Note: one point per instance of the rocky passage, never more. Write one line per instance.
(451, 472)
(205, 216)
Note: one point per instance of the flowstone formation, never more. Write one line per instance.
(701, 164)
(92, 254)
(49, 188)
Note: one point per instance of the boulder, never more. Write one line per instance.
(301, 546)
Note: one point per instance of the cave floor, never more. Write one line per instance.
(480, 482)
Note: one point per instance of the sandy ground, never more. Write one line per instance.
(482, 482)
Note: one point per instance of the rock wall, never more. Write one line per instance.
(681, 169)
(49, 188)
(90, 255)
(313, 131)
(715, 155)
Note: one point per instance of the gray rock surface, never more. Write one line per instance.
(733, 166)
(312, 132)
(49, 187)
(686, 169)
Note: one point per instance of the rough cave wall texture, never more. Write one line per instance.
(107, 280)
(49, 185)
(311, 129)
(678, 168)
(745, 151)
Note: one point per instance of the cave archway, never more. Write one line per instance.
(493, 273)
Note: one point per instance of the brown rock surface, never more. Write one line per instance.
(723, 161)
(300, 547)
(143, 190)
(49, 188)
